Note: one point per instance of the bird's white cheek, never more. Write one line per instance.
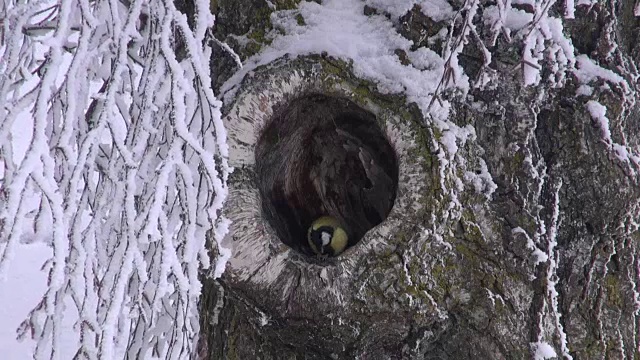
(326, 239)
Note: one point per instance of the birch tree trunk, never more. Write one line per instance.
(521, 242)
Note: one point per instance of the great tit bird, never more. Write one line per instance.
(326, 236)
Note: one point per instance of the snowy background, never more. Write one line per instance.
(22, 289)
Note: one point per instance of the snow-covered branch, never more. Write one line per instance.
(114, 153)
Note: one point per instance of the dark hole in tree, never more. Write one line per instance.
(324, 155)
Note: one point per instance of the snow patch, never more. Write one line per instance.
(539, 255)
(481, 180)
(395, 8)
(622, 152)
(598, 112)
(587, 71)
(552, 276)
(510, 18)
(569, 9)
(584, 90)
(339, 28)
(543, 350)
(437, 10)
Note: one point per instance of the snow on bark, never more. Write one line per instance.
(621, 151)
(552, 276)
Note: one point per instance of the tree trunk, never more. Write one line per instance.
(522, 242)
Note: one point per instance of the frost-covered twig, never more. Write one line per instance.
(125, 170)
(545, 42)
(452, 71)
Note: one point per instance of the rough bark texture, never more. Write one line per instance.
(428, 282)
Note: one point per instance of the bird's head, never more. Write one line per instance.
(326, 237)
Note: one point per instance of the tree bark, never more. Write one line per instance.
(542, 251)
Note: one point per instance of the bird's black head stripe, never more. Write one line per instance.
(327, 229)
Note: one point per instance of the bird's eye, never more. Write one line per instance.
(324, 155)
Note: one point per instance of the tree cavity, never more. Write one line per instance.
(322, 155)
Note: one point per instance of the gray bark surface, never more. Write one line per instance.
(428, 282)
